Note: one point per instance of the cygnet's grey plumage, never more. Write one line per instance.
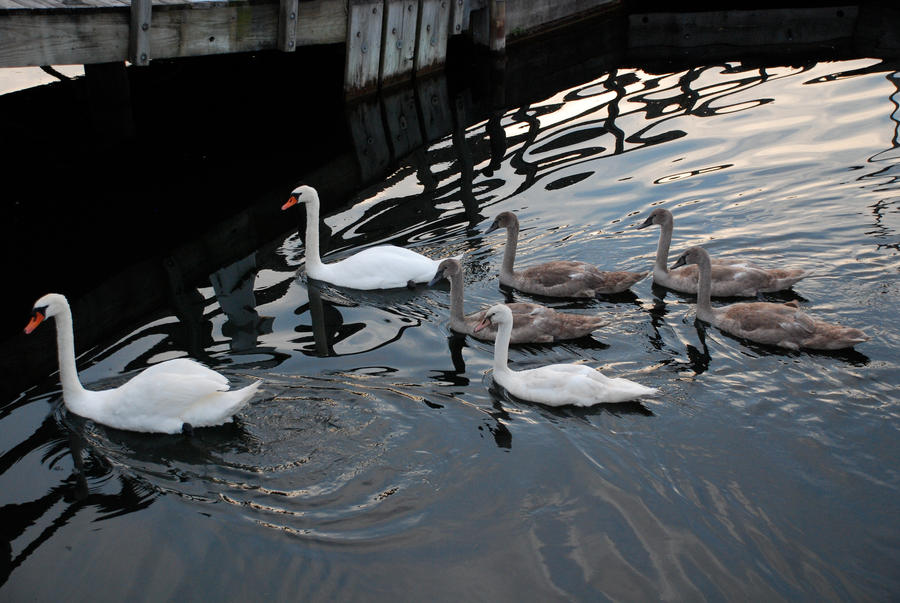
(532, 323)
(730, 277)
(561, 278)
(780, 324)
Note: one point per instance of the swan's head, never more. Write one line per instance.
(47, 306)
(693, 255)
(446, 269)
(301, 194)
(660, 216)
(496, 315)
(504, 219)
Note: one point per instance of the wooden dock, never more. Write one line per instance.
(386, 40)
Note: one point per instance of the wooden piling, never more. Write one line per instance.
(139, 32)
(398, 47)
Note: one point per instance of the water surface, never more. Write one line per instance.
(380, 463)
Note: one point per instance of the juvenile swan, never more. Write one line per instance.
(784, 325)
(554, 384)
(730, 278)
(169, 397)
(562, 278)
(532, 323)
(381, 267)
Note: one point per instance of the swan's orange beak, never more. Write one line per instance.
(36, 319)
(290, 203)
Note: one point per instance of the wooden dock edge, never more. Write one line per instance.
(387, 40)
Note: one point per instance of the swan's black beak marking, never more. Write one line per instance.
(438, 277)
(37, 317)
(647, 222)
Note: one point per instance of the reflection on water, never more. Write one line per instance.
(380, 449)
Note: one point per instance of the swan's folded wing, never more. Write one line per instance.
(553, 274)
(169, 388)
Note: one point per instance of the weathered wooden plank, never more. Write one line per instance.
(364, 23)
(459, 16)
(139, 32)
(525, 17)
(498, 25)
(287, 25)
(434, 25)
(101, 36)
(745, 27)
(398, 47)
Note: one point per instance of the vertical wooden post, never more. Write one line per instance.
(498, 26)
(139, 32)
(398, 46)
(364, 22)
(287, 25)
(431, 45)
(459, 18)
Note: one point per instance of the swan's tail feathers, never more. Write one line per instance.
(623, 390)
(835, 337)
(220, 407)
(786, 278)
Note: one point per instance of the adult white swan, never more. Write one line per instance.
(729, 277)
(560, 278)
(784, 325)
(532, 323)
(381, 267)
(554, 384)
(169, 397)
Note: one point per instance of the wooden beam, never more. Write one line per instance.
(101, 34)
(364, 23)
(139, 32)
(431, 43)
(398, 47)
(287, 25)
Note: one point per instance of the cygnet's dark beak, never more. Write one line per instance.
(494, 226)
(438, 277)
(679, 262)
(647, 222)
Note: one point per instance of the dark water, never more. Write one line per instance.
(379, 463)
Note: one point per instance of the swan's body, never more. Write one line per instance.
(532, 323)
(168, 397)
(562, 278)
(730, 278)
(381, 267)
(554, 384)
(784, 325)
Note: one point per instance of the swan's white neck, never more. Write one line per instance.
(312, 233)
(501, 347)
(65, 349)
(509, 254)
(662, 248)
(704, 305)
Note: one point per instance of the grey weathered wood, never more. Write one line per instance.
(402, 121)
(287, 25)
(398, 47)
(364, 22)
(100, 35)
(498, 26)
(525, 17)
(459, 16)
(431, 43)
(139, 32)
